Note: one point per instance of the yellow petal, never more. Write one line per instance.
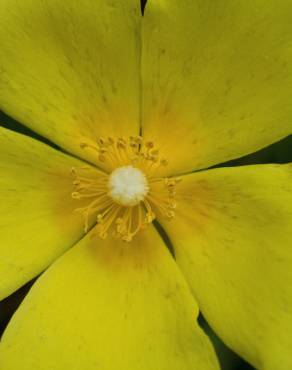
(217, 78)
(37, 222)
(69, 70)
(232, 237)
(109, 305)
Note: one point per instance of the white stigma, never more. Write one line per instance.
(127, 186)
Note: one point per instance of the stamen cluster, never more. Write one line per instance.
(112, 216)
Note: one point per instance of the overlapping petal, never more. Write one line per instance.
(37, 222)
(109, 305)
(70, 70)
(217, 78)
(232, 238)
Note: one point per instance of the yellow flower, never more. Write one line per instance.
(137, 105)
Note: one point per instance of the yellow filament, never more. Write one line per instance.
(109, 216)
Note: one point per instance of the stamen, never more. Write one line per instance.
(131, 196)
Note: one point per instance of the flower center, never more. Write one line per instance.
(130, 195)
(127, 185)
